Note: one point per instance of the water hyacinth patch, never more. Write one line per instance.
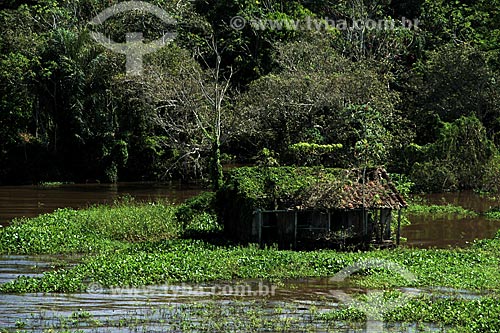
(447, 210)
(88, 231)
(106, 228)
(198, 261)
(136, 245)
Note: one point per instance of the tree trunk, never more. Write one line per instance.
(216, 167)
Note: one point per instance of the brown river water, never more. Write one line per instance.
(168, 307)
(178, 307)
(30, 201)
(425, 231)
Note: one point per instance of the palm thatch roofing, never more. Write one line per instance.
(305, 188)
(371, 189)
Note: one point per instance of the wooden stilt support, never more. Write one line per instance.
(398, 232)
(295, 231)
(329, 221)
(259, 226)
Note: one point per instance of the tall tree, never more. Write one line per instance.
(454, 81)
(317, 90)
(192, 108)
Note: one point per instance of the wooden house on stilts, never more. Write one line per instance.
(300, 207)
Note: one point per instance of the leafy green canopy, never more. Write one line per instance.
(67, 112)
(264, 185)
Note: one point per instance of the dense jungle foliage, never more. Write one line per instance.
(423, 100)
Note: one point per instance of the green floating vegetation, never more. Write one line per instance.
(53, 184)
(107, 228)
(440, 210)
(207, 316)
(145, 244)
(186, 260)
(452, 313)
(473, 315)
(493, 213)
(135, 245)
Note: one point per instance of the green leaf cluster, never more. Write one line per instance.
(264, 187)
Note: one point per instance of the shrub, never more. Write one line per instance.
(491, 176)
(403, 183)
(198, 215)
(457, 159)
(433, 177)
(493, 213)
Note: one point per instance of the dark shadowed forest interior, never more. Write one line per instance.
(285, 83)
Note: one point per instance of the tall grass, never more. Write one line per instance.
(109, 228)
(91, 230)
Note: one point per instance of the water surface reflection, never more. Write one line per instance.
(30, 201)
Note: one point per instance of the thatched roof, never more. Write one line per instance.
(307, 188)
(352, 192)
